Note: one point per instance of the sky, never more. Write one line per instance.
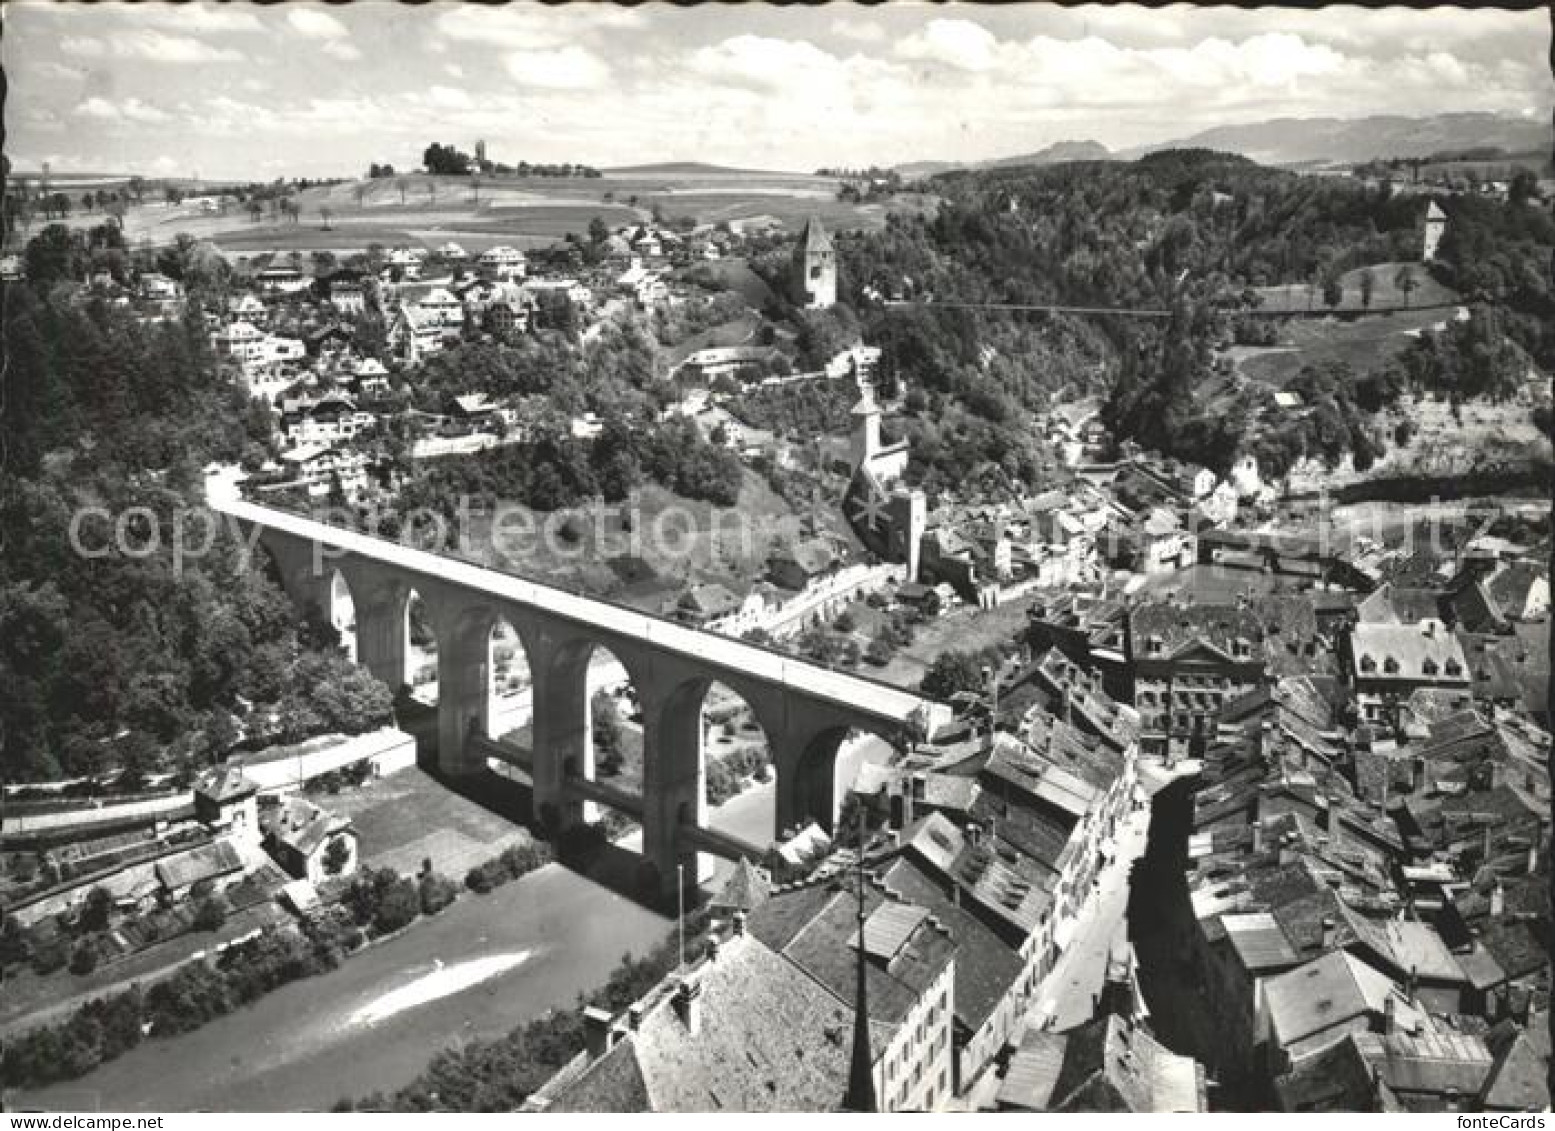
(302, 89)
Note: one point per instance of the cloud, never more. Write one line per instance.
(125, 110)
(51, 70)
(315, 24)
(449, 98)
(763, 63)
(532, 27)
(83, 47)
(151, 46)
(957, 43)
(200, 17)
(340, 49)
(568, 68)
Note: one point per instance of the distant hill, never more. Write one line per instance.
(1298, 141)
(1053, 154)
(691, 169)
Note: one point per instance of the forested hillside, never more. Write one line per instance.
(1188, 232)
(135, 660)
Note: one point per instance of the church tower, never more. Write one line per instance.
(815, 268)
(866, 427)
(1435, 228)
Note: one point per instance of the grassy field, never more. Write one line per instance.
(1363, 343)
(529, 211)
(1298, 296)
(410, 816)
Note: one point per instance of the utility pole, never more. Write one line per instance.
(680, 914)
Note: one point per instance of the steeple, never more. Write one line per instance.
(815, 267)
(861, 1072)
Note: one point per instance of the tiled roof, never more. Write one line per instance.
(1326, 992)
(208, 862)
(303, 826)
(1519, 1078)
(769, 1039)
(1111, 1064)
(986, 968)
(817, 941)
(1034, 1071)
(1338, 1078)
(1181, 627)
(1405, 652)
(747, 887)
(224, 783)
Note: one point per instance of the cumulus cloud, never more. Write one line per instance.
(315, 24)
(764, 63)
(568, 68)
(957, 43)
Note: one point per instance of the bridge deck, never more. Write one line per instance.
(842, 688)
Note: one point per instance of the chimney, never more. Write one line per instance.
(739, 923)
(1417, 775)
(712, 948)
(918, 783)
(634, 1016)
(1412, 984)
(596, 1032)
(1330, 933)
(1533, 857)
(688, 1005)
(1257, 837)
(1497, 901)
(975, 833)
(1389, 1015)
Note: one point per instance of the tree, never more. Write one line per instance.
(1406, 282)
(96, 910)
(398, 905)
(83, 959)
(209, 914)
(1333, 292)
(1524, 186)
(1368, 287)
(956, 671)
(337, 854)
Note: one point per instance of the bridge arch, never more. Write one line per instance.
(820, 767)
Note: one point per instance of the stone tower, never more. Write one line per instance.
(815, 268)
(866, 426)
(1435, 228)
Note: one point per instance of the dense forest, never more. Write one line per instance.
(140, 658)
(1187, 232)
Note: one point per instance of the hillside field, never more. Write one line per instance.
(422, 210)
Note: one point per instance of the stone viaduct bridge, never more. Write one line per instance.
(804, 709)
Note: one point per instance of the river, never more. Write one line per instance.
(485, 965)
(375, 1022)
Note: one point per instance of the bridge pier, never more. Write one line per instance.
(674, 782)
(381, 630)
(463, 686)
(561, 726)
